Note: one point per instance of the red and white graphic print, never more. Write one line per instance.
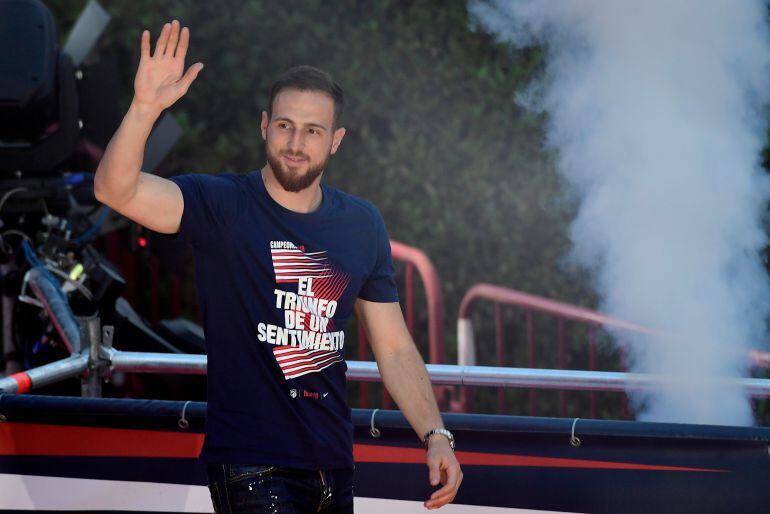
(292, 264)
(295, 362)
(307, 342)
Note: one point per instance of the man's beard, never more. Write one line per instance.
(290, 179)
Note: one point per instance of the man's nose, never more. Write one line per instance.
(296, 141)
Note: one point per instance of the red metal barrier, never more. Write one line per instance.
(531, 304)
(414, 258)
(537, 303)
(563, 312)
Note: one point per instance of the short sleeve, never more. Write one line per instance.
(380, 285)
(211, 204)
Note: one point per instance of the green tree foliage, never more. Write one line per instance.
(435, 138)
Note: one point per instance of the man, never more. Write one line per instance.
(282, 260)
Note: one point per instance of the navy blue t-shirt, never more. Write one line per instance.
(276, 289)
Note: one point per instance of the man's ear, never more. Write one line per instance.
(265, 121)
(337, 139)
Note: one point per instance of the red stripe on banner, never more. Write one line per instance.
(67, 440)
(373, 453)
(24, 383)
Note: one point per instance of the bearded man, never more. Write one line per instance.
(282, 261)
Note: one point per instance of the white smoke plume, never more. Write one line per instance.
(655, 112)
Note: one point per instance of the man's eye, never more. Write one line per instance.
(313, 131)
(283, 125)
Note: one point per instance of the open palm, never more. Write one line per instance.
(159, 80)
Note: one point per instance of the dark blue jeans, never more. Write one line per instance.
(260, 488)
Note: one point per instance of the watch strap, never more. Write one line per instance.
(442, 431)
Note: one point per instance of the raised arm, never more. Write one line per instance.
(406, 379)
(147, 199)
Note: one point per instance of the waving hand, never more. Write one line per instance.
(159, 80)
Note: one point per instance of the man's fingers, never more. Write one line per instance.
(172, 39)
(455, 477)
(434, 472)
(189, 76)
(145, 44)
(437, 500)
(441, 494)
(184, 41)
(160, 46)
(440, 500)
(444, 491)
(452, 483)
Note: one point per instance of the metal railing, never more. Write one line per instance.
(106, 360)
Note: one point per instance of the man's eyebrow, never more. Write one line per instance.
(284, 118)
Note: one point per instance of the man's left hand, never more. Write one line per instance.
(444, 468)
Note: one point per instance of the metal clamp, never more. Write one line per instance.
(573, 439)
(183, 423)
(108, 332)
(374, 430)
(106, 352)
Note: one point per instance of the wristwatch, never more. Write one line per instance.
(442, 431)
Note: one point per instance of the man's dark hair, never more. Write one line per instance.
(308, 78)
